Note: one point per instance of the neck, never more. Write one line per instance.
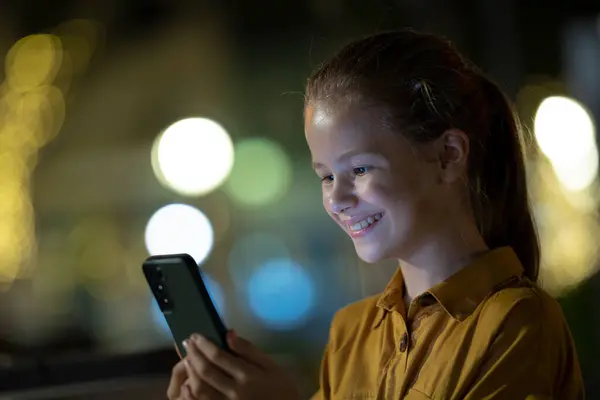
(438, 259)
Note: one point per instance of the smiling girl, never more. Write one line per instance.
(420, 160)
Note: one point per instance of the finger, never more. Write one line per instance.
(205, 392)
(178, 377)
(186, 393)
(248, 351)
(202, 371)
(233, 365)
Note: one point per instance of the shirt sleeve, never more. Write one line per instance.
(325, 373)
(532, 357)
(324, 392)
(317, 396)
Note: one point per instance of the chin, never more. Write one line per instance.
(370, 254)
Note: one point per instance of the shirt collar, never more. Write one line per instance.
(460, 294)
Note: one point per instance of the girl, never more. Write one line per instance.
(420, 160)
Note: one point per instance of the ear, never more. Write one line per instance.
(452, 149)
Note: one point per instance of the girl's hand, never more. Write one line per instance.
(208, 372)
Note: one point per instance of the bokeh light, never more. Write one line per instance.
(32, 112)
(565, 133)
(568, 230)
(193, 156)
(216, 294)
(80, 38)
(567, 267)
(261, 174)
(33, 61)
(281, 294)
(180, 228)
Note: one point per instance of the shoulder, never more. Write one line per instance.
(527, 314)
(525, 327)
(353, 320)
(522, 303)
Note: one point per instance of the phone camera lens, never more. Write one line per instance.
(165, 303)
(159, 274)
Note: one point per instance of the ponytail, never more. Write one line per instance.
(498, 183)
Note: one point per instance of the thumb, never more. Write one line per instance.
(248, 351)
(177, 350)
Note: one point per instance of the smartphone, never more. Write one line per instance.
(177, 285)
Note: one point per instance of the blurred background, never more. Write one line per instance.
(130, 128)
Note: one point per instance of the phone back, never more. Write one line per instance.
(183, 298)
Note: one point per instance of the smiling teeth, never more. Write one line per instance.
(366, 222)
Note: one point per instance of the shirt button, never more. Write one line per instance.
(403, 342)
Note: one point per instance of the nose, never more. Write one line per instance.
(341, 199)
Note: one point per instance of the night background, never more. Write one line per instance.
(130, 128)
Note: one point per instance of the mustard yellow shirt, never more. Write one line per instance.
(487, 332)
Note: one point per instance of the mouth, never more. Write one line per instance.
(362, 227)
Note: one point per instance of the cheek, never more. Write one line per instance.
(326, 202)
(393, 195)
(373, 192)
(415, 196)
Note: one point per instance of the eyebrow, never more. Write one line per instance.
(347, 155)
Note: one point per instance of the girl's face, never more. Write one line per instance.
(378, 189)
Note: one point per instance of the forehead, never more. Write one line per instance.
(347, 129)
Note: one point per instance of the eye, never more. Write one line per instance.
(360, 171)
(327, 179)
